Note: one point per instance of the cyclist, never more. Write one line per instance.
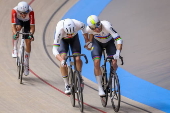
(66, 35)
(102, 35)
(23, 16)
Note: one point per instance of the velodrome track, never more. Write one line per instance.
(42, 90)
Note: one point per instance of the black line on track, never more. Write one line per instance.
(44, 32)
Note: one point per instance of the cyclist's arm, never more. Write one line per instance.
(86, 37)
(56, 45)
(82, 27)
(91, 36)
(13, 18)
(32, 22)
(117, 38)
(32, 29)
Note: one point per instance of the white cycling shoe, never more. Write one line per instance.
(101, 92)
(26, 70)
(14, 53)
(67, 90)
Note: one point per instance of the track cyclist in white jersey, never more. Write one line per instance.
(102, 35)
(23, 16)
(67, 35)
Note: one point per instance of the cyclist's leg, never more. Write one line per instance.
(27, 48)
(96, 55)
(63, 49)
(111, 50)
(19, 25)
(76, 49)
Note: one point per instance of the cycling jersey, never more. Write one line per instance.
(16, 15)
(104, 39)
(106, 34)
(61, 34)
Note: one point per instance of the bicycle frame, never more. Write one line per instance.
(75, 81)
(20, 57)
(112, 89)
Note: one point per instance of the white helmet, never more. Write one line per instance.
(93, 21)
(23, 7)
(69, 26)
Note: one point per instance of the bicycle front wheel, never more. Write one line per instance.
(79, 90)
(115, 99)
(105, 88)
(18, 67)
(22, 65)
(71, 83)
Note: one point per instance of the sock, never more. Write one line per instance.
(15, 42)
(99, 78)
(27, 55)
(65, 78)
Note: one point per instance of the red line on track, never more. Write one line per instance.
(31, 2)
(57, 88)
(63, 92)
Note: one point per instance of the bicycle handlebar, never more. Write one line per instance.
(76, 56)
(121, 58)
(24, 33)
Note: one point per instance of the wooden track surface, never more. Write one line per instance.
(42, 90)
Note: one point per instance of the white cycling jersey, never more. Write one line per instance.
(60, 33)
(106, 34)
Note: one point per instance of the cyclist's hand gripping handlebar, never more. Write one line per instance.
(30, 35)
(121, 58)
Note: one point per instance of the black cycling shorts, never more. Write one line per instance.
(98, 48)
(25, 24)
(74, 45)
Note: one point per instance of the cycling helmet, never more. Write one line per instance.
(23, 7)
(93, 22)
(69, 26)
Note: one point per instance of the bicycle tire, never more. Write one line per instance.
(78, 89)
(18, 67)
(115, 100)
(104, 99)
(22, 65)
(71, 83)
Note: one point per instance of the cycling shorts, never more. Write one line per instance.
(98, 48)
(74, 45)
(25, 24)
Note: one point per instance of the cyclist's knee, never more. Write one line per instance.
(114, 64)
(97, 61)
(78, 58)
(28, 42)
(18, 27)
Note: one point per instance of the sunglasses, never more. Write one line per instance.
(26, 12)
(97, 25)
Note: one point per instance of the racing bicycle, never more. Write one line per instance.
(75, 81)
(20, 56)
(110, 84)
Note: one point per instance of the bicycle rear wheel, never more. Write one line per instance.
(105, 88)
(71, 83)
(22, 65)
(79, 90)
(115, 99)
